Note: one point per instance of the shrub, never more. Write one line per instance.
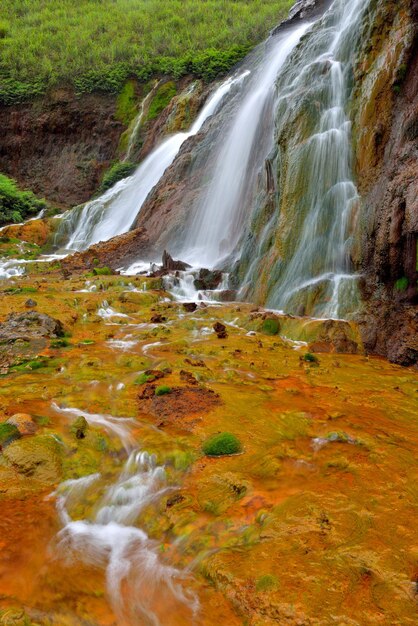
(17, 205)
(222, 444)
(102, 271)
(310, 358)
(163, 390)
(116, 173)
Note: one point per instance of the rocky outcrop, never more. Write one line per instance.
(118, 252)
(385, 113)
(28, 326)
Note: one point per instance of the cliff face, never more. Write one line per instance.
(385, 116)
(60, 146)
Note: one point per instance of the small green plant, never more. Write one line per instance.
(402, 284)
(8, 433)
(102, 271)
(221, 445)
(42, 420)
(162, 390)
(60, 343)
(308, 357)
(142, 379)
(270, 327)
(266, 583)
(116, 173)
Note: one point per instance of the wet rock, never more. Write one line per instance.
(147, 392)
(79, 427)
(173, 500)
(227, 295)
(170, 265)
(119, 251)
(31, 325)
(24, 423)
(220, 330)
(29, 304)
(158, 319)
(154, 375)
(208, 280)
(190, 307)
(195, 362)
(36, 457)
(334, 336)
(188, 377)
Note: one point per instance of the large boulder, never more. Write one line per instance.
(38, 458)
(29, 325)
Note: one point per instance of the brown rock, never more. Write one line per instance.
(188, 377)
(24, 423)
(334, 336)
(220, 330)
(189, 307)
(158, 319)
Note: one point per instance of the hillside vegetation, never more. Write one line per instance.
(17, 205)
(97, 44)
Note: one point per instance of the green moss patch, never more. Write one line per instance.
(116, 173)
(161, 100)
(221, 445)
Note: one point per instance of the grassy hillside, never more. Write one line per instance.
(97, 44)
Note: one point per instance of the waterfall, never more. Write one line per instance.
(296, 257)
(218, 220)
(269, 192)
(114, 212)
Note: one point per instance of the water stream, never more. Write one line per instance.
(141, 588)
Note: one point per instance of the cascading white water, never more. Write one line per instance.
(114, 212)
(140, 587)
(303, 253)
(218, 220)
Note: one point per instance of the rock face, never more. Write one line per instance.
(385, 113)
(60, 146)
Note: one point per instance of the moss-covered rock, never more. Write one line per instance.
(37, 457)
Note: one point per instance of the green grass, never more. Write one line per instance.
(98, 44)
(16, 205)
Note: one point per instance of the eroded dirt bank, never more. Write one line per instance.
(310, 524)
